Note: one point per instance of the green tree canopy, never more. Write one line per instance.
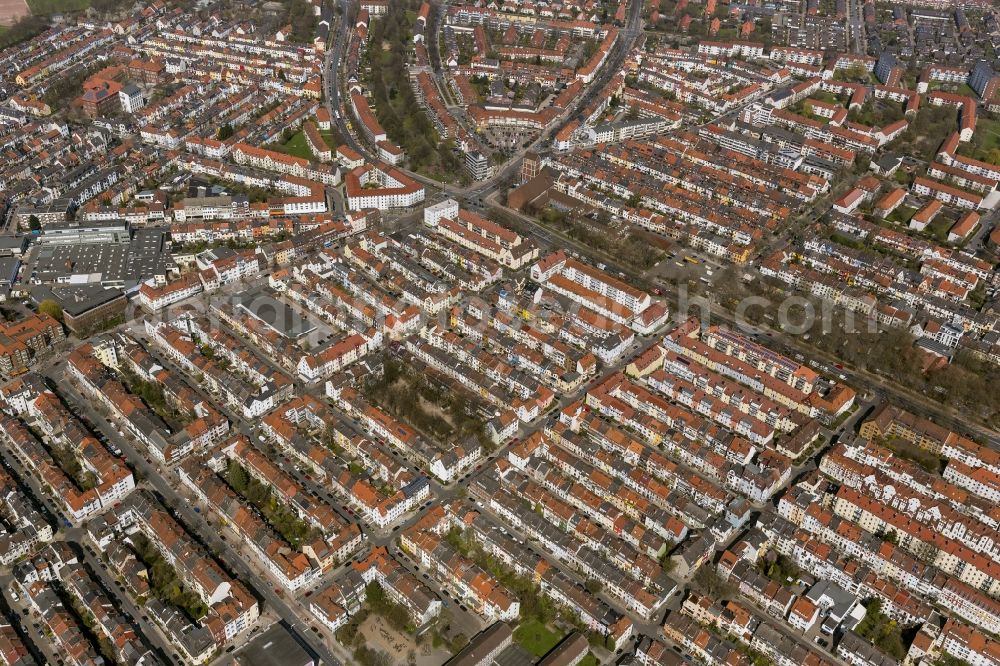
(51, 308)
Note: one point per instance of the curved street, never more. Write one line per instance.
(333, 99)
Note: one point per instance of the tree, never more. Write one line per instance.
(225, 132)
(367, 656)
(237, 476)
(666, 562)
(710, 582)
(856, 72)
(106, 7)
(51, 308)
(62, 91)
(34, 223)
(374, 594)
(26, 28)
(881, 630)
(299, 14)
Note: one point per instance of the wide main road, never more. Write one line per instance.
(336, 102)
(861, 379)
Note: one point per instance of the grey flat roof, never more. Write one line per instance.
(8, 269)
(514, 655)
(488, 640)
(570, 649)
(13, 242)
(274, 647)
(142, 257)
(281, 317)
(76, 299)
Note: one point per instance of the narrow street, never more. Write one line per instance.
(157, 479)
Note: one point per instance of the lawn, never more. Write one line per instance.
(966, 90)
(296, 146)
(536, 638)
(902, 215)
(961, 89)
(991, 132)
(938, 228)
(876, 113)
(825, 96)
(56, 6)
(912, 452)
(332, 140)
(985, 144)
